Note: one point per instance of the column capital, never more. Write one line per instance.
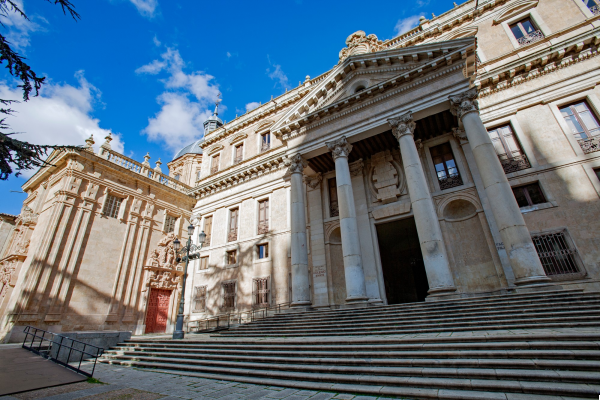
(402, 125)
(295, 164)
(464, 103)
(339, 147)
(460, 135)
(313, 181)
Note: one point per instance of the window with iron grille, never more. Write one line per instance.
(593, 6)
(584, 125)
(199, 299)
(239, 153)
(170, 223)
(557, 253)
(263, 216)
(529, 195)
(265, 142)
(334, 210)
(263, 250)
(112, 205)
(214, 164)
(229, 294)
(233, 224)
(261, 292)
(232, 257)
(526, 32)
(508, 149)
(203, 263)
(445, 166)
(208, 230)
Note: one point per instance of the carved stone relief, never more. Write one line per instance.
(360, 43)
(7, 269)
(164, 273)
(386, 177)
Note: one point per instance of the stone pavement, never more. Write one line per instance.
(129, 383)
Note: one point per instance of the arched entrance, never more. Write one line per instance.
(402, 262)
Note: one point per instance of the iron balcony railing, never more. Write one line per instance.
(62, 350)
(590, 145)
(224, 321)
(450, 181)
(531, 38)
(516, 163)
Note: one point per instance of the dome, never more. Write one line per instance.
(192, 148)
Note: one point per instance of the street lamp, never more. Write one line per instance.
(187, 249)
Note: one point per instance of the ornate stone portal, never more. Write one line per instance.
(164, 272)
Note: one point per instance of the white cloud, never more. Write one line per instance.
(157, 42)
(18, 28)
(185, 104)
(228, 55)
(278, 75)
(252, 105)
(405, 24)
(59, 115)
(145, 7)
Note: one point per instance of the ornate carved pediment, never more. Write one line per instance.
(27, 216)
(464, 32)
(513, 9)
(238, 138)
(360, 43)
(164, 273)
(214, 149)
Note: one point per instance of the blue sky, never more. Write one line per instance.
(149, 70)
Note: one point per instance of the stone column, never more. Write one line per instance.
(426, 219)
(353, 269)
(300, 278)
(513, 230)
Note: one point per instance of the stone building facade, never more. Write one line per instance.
(458, 159)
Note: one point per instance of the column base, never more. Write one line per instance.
(304, 303)
(375, 302)
(533, 280)
(356, 300)
(441, 291)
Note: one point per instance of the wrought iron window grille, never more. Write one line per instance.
(229, 295)
(516, 163)
(112, 206)
(214, 169)
(263, 228)
(531, 38)
(450, 181)
(70, 353)
(557, 255)
(590, 145)
(261, 292)
(334, 210)
(232, 235)
(199, 299)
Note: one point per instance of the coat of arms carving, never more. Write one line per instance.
(360, 43)
(164, 272)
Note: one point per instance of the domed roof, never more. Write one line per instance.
(192, 148)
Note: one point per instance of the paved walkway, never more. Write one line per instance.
(129, 383)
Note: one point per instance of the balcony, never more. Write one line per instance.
(265, 146)
(531, 38)
(516, 163)
(214, 170)
(263, 228)
(595, 10)
(590, 145)
(232, 235)
(450, 181)
(237, 160)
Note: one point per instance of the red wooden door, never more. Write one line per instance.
(158, 311)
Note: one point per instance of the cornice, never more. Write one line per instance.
(240, 174)
(543, 62)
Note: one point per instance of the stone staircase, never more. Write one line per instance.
(543, 345)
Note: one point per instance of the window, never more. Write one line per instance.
(583, 124)
(261, 292)
(334, 210)
(229, 295)
(177, 177)
(557, 253)
(526, 32)
(263, 250)
(263, 217)
(232, 257)
(359, 89)
(529, 195)
(265, 142)
(207, 229)
(198, 172)
(508, 149)
(170, 223)
(203, 263)
(199, 299)
(112, 205)
(214, 165)
(593, 5)
(239, 153)
(597, 171)
(233, 224)
(445, 166)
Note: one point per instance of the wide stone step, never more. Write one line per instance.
(513, 361)
(413, 382)
(556, 312)
(476, 324)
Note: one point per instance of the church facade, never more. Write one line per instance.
(461, 158)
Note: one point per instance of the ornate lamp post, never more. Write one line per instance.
(187, 249)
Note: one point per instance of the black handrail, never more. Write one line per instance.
(251, 316)
(55, 343)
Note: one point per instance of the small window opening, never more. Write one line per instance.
(231, 257)
(445, 166)
(526, 32)
(263, 250)
(529, 195)
(170, 223)
(112, 206)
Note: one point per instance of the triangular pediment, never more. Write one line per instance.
(364, 76)
(514, 9)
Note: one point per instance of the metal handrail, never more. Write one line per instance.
(251, 316)
(52, 349)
